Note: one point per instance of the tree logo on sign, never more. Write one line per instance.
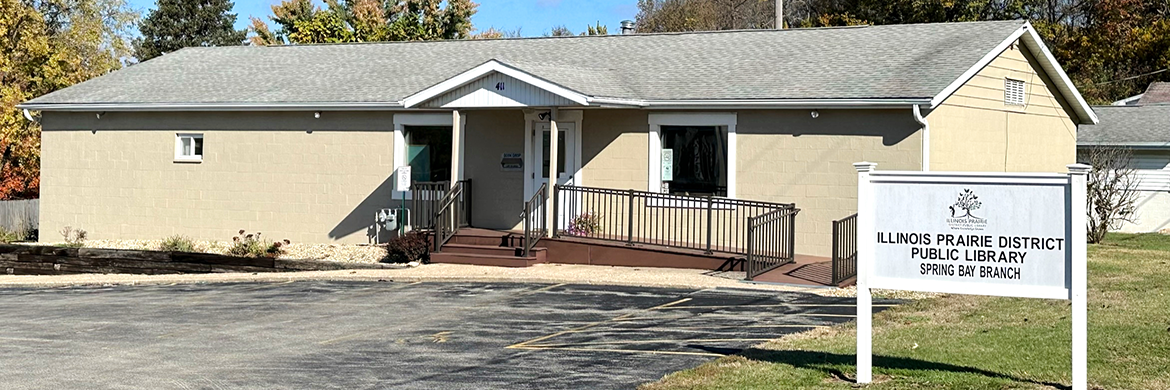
(967, 201)
(961, 217)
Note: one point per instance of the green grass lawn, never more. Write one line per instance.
(977, 342)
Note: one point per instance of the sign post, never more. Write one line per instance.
(402, 184)
(1002, 234)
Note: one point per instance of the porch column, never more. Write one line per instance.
(553, 143)
(456, 147)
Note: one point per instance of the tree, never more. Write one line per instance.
(967, 202)
(1111, 49)
(599, 29)
(1112, 189)
(176, 24)
(299, 21)
(49, 45)
(493, 33)
(560, 31)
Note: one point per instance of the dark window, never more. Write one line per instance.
(700, 159)
(428, 151)
(560, 152)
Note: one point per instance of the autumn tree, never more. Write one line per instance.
(49, 45)
(299, 21)
(1111, 49)
(176, 24)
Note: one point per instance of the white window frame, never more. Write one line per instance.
(420, 119)
(179, 155)
(657, 120)
(1014, 98)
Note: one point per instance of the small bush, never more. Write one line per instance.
(7, 236)
(74, 238)
(177, 243)
(251, 245)
(407, 248)
(585, 224)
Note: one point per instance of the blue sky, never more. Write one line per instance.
(532, 17)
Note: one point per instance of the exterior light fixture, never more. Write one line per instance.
(317, 114)
(99, 115)
(815, 114)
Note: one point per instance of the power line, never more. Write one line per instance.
(1132, 77)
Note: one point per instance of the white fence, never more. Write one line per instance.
(20, 215)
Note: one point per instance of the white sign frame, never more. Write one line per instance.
(1075, 252)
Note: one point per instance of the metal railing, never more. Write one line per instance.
(453, 213)
(535, 225)
(424, 203)
(771, 241)
(844, 249)
(711, 224)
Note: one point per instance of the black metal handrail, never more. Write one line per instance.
(771, 241)
(711, 224)
(844, 249)
(424, 203)
(453, 213)
(535, 224)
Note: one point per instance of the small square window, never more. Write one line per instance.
(188, 147)
(1013, 92)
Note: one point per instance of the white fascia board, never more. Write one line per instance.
(1126, 101)
(87, 107)
(785, 103)
(1048, 64)
(482, 70)
(974, 69)
(1065, 85)
(1136, 145)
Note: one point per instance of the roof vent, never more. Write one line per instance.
(627, 27)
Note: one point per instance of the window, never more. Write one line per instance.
(1013, 92)
(560, 153)
(428, 152)
(698, 160)
(189, 147)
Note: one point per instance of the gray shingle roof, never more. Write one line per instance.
(878, 62)
(1135, 125)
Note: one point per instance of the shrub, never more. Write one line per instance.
(7, 236)
(74, 238)
(585, 224)
(407, 248)
(177, 243)
(251, 245)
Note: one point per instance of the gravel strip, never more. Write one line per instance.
(542, 273)
(348, 253)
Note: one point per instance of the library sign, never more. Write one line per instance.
(1003, 234)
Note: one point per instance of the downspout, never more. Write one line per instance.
(29, 116)
(925, 137)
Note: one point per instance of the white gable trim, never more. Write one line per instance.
(485, 69)
(1048, 64)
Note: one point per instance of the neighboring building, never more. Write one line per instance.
(1156, 93)
(302, 141)
(1144, 129)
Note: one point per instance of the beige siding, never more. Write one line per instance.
(790, 157)
(116, 176)
(498, 196)
(974, 130)
(614, 149)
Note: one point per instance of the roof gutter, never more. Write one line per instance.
(399, 106)
(85, 107)
(786, 103)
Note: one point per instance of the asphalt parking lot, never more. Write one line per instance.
(357, 335)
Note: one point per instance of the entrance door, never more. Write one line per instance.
(566, 159)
